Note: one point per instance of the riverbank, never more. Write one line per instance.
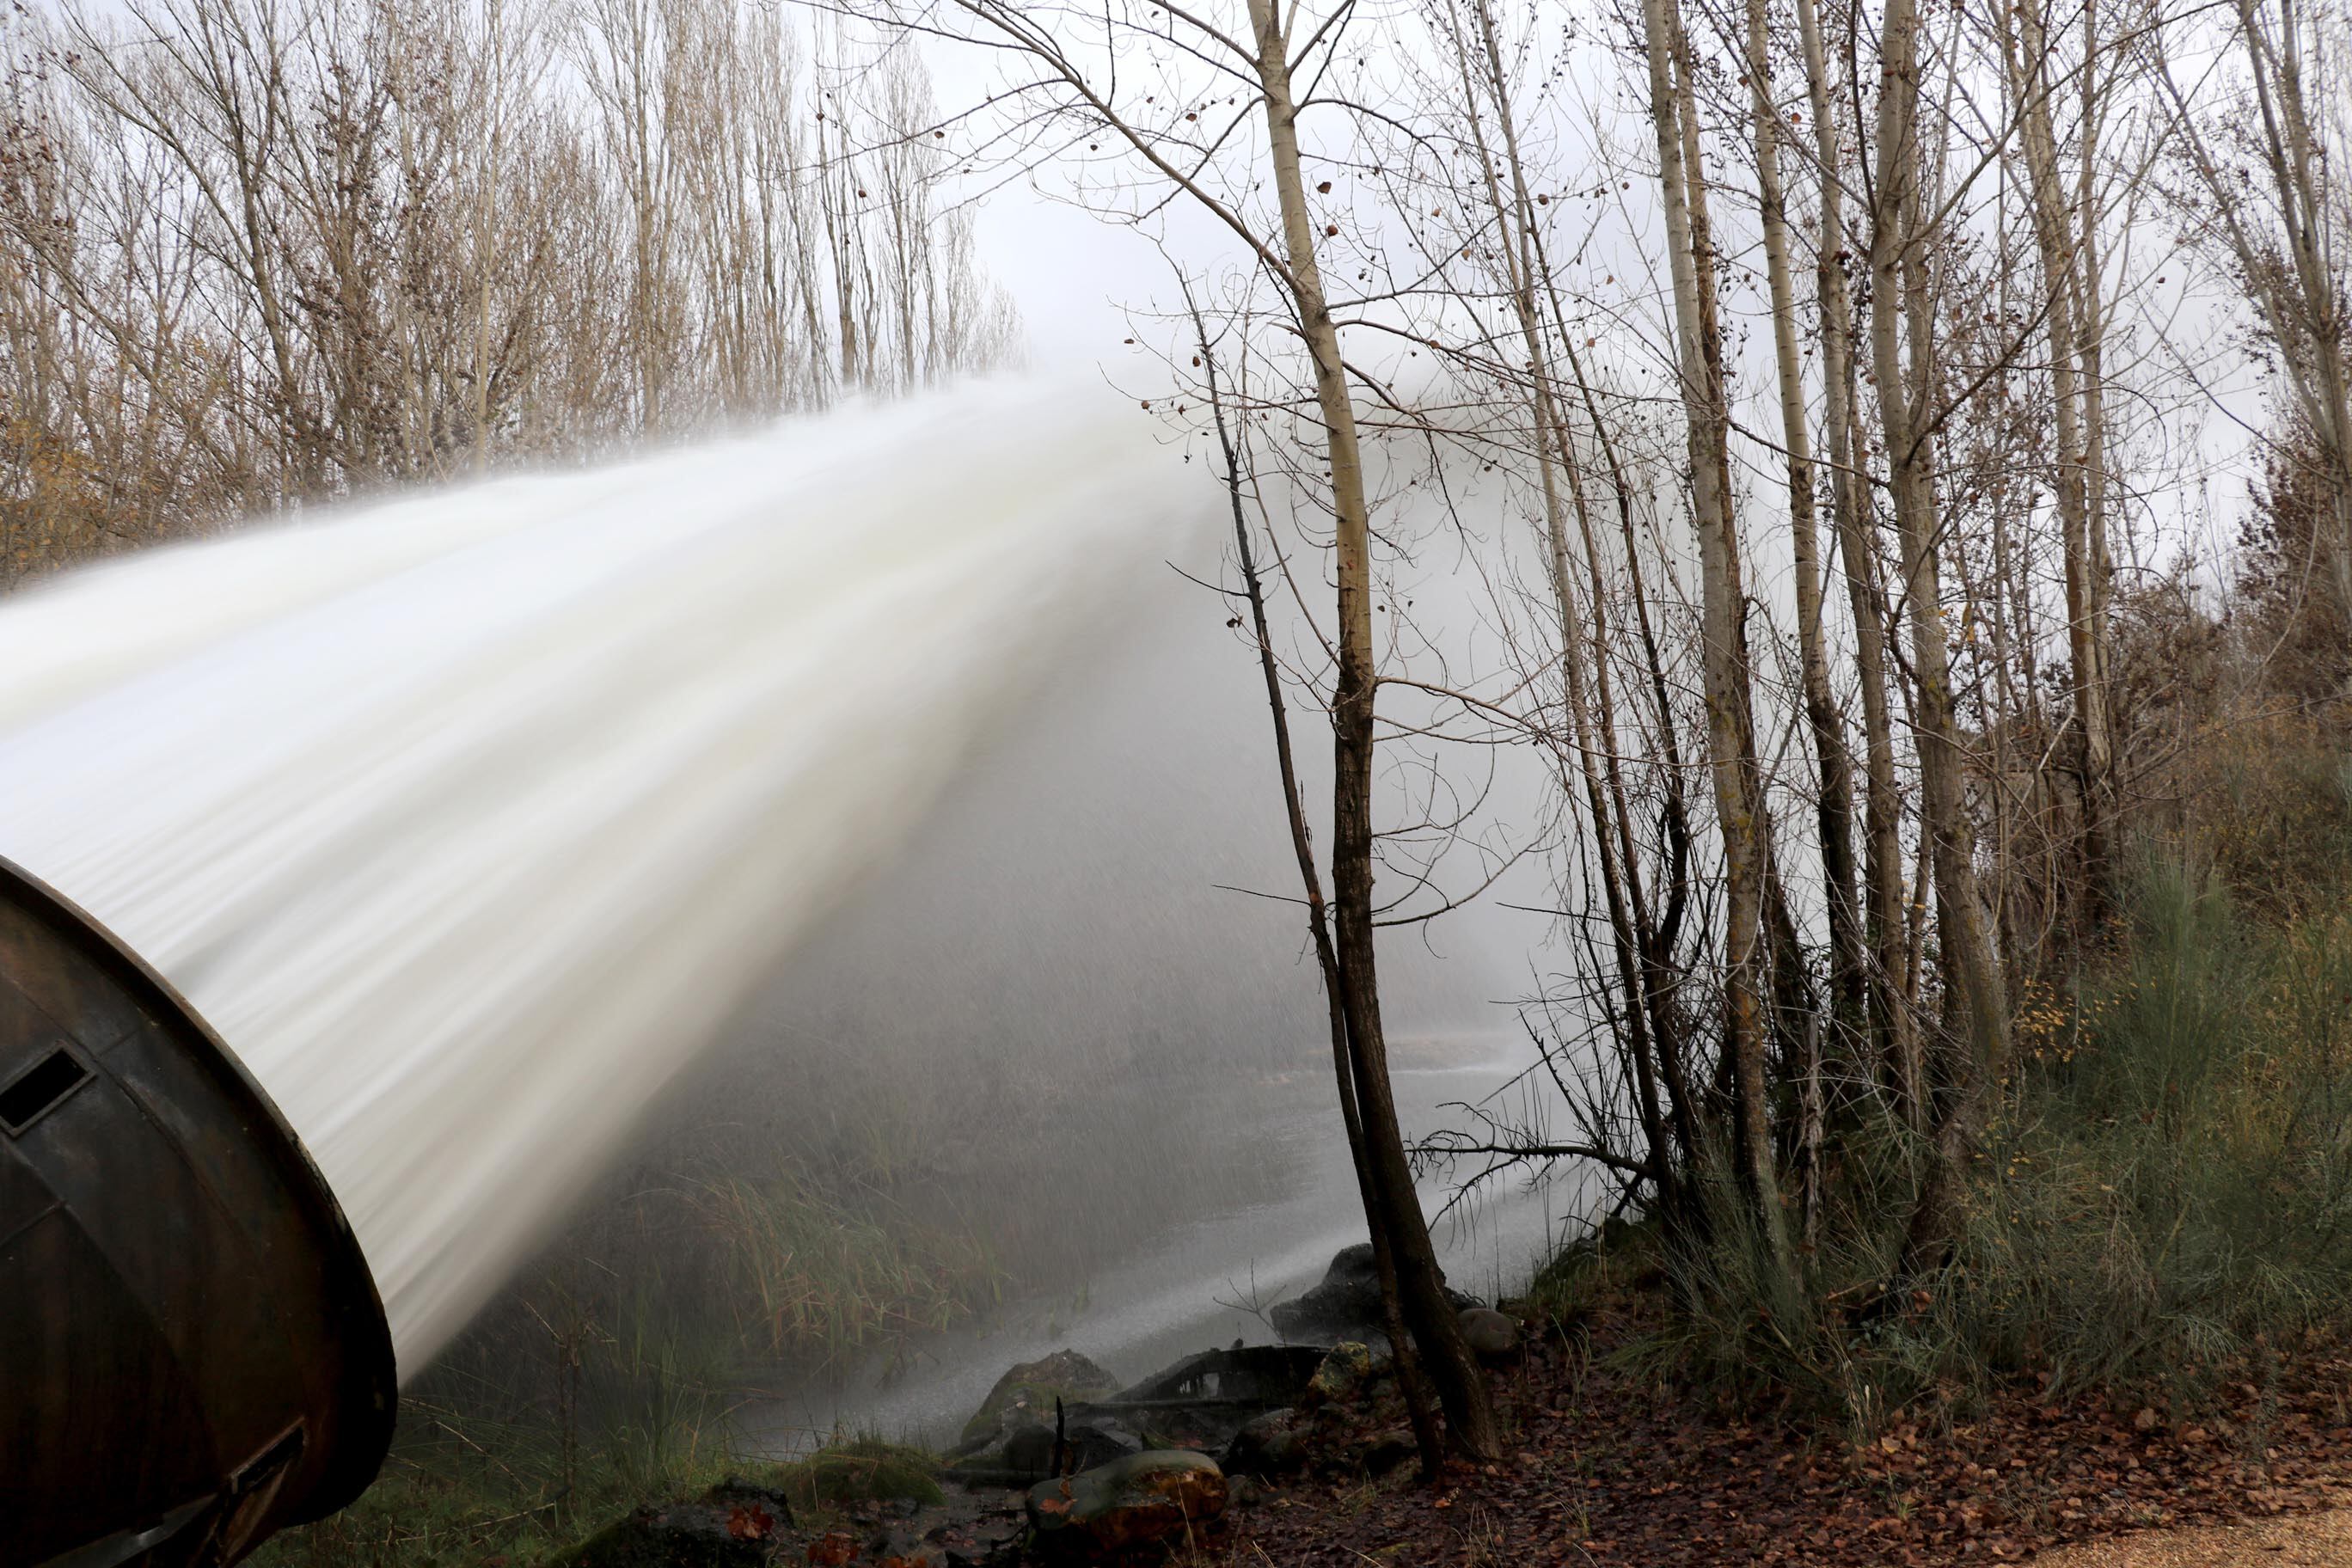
(641, 1362)
(1610, 1459)
(1609, 1463)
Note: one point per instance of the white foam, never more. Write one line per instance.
(467, 817)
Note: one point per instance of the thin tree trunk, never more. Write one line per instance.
(1824, 722)
(2024, 49)
(1901, 309)
(1555, 459)
(1723, 651)
(1419, 1410)
(1891, 1027)
(1428, 1314)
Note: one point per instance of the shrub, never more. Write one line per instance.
(2166, 1183)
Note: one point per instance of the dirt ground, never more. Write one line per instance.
(1610, 1466)
(2306, 1540)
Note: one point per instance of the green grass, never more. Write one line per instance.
(859, 1469)
(464, 1490)
(2175, 1180)
(464, 1493)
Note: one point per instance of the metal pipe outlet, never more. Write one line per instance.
(192, 1354)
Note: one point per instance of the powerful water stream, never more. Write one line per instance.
(467, 817)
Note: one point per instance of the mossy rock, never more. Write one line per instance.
(1343, 1372)
(1129, 1502)
(866, 1469)
(1033, 1386)
(733, 1525)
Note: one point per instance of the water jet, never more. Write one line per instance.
(469, 816)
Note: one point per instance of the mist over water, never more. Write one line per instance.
(467, 817)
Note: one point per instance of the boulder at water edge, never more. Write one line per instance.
(1029, 1391)
(733, 1525)
(1345, 1304)
(1489, 1332)
(1274, 1444)
(1147, 1497)
(1344, 1372)
(1028, 1448)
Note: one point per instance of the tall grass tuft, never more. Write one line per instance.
(2173, 1177)
(813, 1277)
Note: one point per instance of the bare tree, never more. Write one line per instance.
(260, 253)
(1903, 234)
(2267, 201)
(1730, 723)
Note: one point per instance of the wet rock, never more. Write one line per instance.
(1129, 1502)
(1027, 1452)
(1489, 1332)
(1274, 1444)
(990, 1538)
(990, 1549)
(862, 1473)
(743, 1524)
(1389, 1450)
(1098, 1440)
(1267, 1375)
(1028, 1448)
(1345, 1370)
(1345, 1304)
(735, 1491)
(1202, 1400)
(727, 1527)
(1029, 1390)
(903, 1546)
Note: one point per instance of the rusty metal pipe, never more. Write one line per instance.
(192, 1354)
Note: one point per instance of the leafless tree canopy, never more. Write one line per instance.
(256, 254)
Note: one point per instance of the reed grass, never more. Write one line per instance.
(591, 1391)
(462, 1490)
(811, 1277)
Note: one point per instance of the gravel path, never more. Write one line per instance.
(2316, 1539)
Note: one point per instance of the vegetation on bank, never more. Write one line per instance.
(462, 1489)
(2163, 1184)
(589, 1392)
(471, 1495)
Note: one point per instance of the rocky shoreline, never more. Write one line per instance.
(1062, 1463)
